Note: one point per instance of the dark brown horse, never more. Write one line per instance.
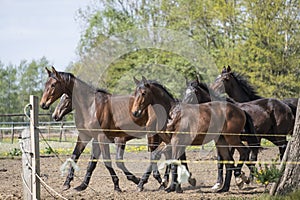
(238, 88)
(195, 125)
(97, 113)
(63, 108)
(197, 93)
(273, 119)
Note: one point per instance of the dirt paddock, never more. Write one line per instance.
(101, 186)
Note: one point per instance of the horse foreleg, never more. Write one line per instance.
(91, 166)
(121, 165)
(81, 143)
(107, 161)
(177, 152)
(154, 155)
(192, 181)
(225, 154)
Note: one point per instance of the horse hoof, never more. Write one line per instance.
(179, 190)
(140, 188)
(80, 188)
(136, 180)
(216, 187)
(170, 189)
(192, 181)
(66, 187)
(223, 190)
(118, 189)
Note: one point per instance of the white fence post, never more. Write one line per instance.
(31, 154)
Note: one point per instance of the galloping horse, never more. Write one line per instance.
(197, 93)
(218, 118)
(97, 113)
(272, 118)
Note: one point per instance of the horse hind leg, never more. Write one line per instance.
(107, 161)
(121, 165)
(91, 166)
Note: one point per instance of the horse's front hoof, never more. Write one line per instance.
(216, 187)
(224, 189)
(170, 189)
(140, 187)
(136, 180)
(117, 189)
(80, 187)
(192, 181)
(66, 187)
(179, 189)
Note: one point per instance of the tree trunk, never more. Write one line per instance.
(290, 179)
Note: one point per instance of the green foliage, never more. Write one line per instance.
(267, 174)
(49, 150)
(15, 152)
(257, 38)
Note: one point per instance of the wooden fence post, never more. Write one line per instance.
(31, 154)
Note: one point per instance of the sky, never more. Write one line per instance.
(31, 29)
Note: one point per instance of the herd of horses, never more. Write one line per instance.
(170, 124)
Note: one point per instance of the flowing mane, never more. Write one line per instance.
(161, 87)
(246, 86)
(212, 93)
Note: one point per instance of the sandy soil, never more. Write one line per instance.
(101, 187)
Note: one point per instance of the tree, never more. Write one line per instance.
(257, 38)
(290, 179)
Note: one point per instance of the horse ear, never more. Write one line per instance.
(224, 70)
(186, 80)
(144, 79)
(48, 71)
(228, 69)
(56, 73)
(198, 78)
(136, 81)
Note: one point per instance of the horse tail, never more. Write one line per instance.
(250, 134)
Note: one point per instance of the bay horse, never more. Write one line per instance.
(239, 89)
(198, 92)
(189, 125)
(273, 119)
(97, 113)
(65, 106)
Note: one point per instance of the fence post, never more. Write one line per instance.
(31, 154)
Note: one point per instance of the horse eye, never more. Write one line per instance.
(143, 93)
(52, 85)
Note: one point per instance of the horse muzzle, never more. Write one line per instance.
(44, 106)
(137, 113)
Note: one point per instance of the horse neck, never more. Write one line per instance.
(83, 97)
(164, 99)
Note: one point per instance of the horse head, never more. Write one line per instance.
(63, 107)
(57, 84)
(142, 97)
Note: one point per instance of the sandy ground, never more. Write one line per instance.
(101, 187)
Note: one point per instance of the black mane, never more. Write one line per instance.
(153, 82)
(68, 77)
(246, 86)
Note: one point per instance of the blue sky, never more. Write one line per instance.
(31, 29)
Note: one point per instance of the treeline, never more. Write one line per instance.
(18, 82)
(260, 39)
